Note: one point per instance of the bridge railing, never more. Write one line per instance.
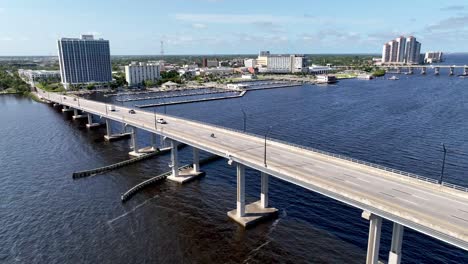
(453, 186)
(339, 156)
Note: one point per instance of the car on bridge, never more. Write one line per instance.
(131, 111)
(161, 121)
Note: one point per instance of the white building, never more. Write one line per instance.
(136, 74)
(250, 63)
(433, 57)
(285, 64)
(413, 50)
(33, 76)
(401, 50)
(317, 69)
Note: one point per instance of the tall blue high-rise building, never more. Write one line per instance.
(84, 60)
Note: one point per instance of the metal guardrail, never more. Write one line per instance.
(453, 186)
(329, 154)
(339, 156)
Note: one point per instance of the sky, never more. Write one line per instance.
(136, 27)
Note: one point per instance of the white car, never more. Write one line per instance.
(111, 108)
(161, 121)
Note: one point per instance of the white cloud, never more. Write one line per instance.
(6, 39)
(266, 19)
(198, 25)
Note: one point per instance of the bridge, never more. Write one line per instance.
(437, 209)
(423, 68)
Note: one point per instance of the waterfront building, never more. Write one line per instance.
(283, 64)
(317, 69)
(413, 50)
(137, 73)
(84, 60)
(433, 57)
(393, 51)
(386, 53)
(33, 76)
(323, 79)
(401, 50)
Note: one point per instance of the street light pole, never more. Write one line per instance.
(443, 164)
(265, 150)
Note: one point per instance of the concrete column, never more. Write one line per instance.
(423, 70)
(75, 112)
(394, 256)
(134, 140)
(410, 70)
(174, 158)
(452, 71)
(465, 71)
(90, 119)
(153, 141)
(240, 190)
(108, 128)
(373, 245)
(196, 160)
(398, 70)
(264, 190)
(437, 71)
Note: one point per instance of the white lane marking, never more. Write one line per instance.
(408, 201)
(360, 179)
(420, 197)
(353, 183)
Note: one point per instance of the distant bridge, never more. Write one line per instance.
(437, 209)
(423, 68)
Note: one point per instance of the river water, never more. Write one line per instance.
(47, 217)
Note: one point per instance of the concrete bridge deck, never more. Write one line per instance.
(420, 204)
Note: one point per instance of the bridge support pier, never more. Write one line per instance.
(452, 71)
(410, 70)
(187, 174)
(437, 71)
(196, 160)
(76, 114)
(150, 149)
(111, 137)
(465, 70)
(373, 246)
(66, 109)
(249, 215)
(136, 151)
(90, 122)
(264, 190)
(398, 70)
(394, 256)
(423, 70)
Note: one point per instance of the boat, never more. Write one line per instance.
(393, 78)
(326, 79)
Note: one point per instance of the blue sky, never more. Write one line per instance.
(31, 27)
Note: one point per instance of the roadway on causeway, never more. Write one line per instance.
(429, 208)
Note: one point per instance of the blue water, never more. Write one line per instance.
(47, 217)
